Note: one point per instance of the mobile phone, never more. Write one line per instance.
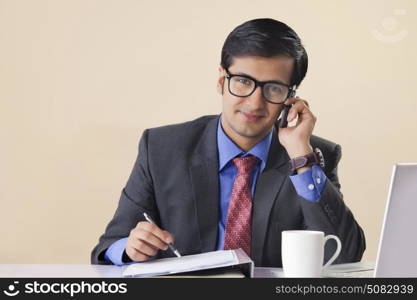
(282, 122)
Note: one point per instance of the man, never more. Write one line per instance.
(236, 180)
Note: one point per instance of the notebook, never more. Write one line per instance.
(188, 263)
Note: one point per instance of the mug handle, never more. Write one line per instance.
(336, 253)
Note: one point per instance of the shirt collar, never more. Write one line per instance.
(228, 149)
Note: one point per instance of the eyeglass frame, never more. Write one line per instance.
(291, 91)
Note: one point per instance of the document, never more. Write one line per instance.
(188, 263)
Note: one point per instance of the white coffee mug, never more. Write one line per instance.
(303, 251)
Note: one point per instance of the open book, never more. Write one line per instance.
(188, 263)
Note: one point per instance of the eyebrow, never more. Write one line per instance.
(247, 75)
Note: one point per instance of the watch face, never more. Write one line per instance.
(320, 157)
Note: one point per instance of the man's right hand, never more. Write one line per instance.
(145, 240)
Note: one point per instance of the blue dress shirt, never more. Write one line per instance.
(308, 185)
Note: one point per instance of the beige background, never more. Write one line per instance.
(80, 81)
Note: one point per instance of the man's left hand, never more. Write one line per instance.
(296, 139)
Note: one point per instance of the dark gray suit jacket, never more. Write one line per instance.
(175, 180)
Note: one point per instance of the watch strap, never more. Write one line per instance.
(314, 157)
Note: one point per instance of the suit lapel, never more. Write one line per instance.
(268, 186)
(205, 184)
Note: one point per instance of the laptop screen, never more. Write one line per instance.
(398, 243)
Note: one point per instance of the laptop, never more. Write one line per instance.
(397, 251)
(398, 242)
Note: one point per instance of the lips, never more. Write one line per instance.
(251, 117)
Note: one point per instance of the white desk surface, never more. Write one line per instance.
(339, 270)
(110, 271)
(59, 270)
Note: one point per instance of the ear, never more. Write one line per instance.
(220, 81)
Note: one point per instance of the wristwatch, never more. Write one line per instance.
(315, 157)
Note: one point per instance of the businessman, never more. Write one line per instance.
(236, 180)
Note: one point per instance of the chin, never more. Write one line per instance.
(250, 132)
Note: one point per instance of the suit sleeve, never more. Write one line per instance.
(136, 197)
(332, 216)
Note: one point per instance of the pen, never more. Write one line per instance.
(148, 218)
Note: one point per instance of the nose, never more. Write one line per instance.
(256, 100)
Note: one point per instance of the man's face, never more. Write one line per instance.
(250, 119)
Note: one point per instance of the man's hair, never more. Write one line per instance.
(266, 38)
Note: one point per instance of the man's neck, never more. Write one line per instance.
(244, 143)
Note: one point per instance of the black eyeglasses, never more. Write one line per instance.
(273, 91)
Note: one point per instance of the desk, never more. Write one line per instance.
(110, 271)
(59, 271)
(359, 269)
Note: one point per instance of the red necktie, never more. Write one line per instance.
(238, 227)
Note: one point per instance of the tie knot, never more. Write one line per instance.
(245, 164)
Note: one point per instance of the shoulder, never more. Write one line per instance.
(186, 128)
(323, 143)
(181, 136)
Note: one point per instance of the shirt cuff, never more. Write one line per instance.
(114, 253)
(310, 184)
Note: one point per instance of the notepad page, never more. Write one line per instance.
(181, 264)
